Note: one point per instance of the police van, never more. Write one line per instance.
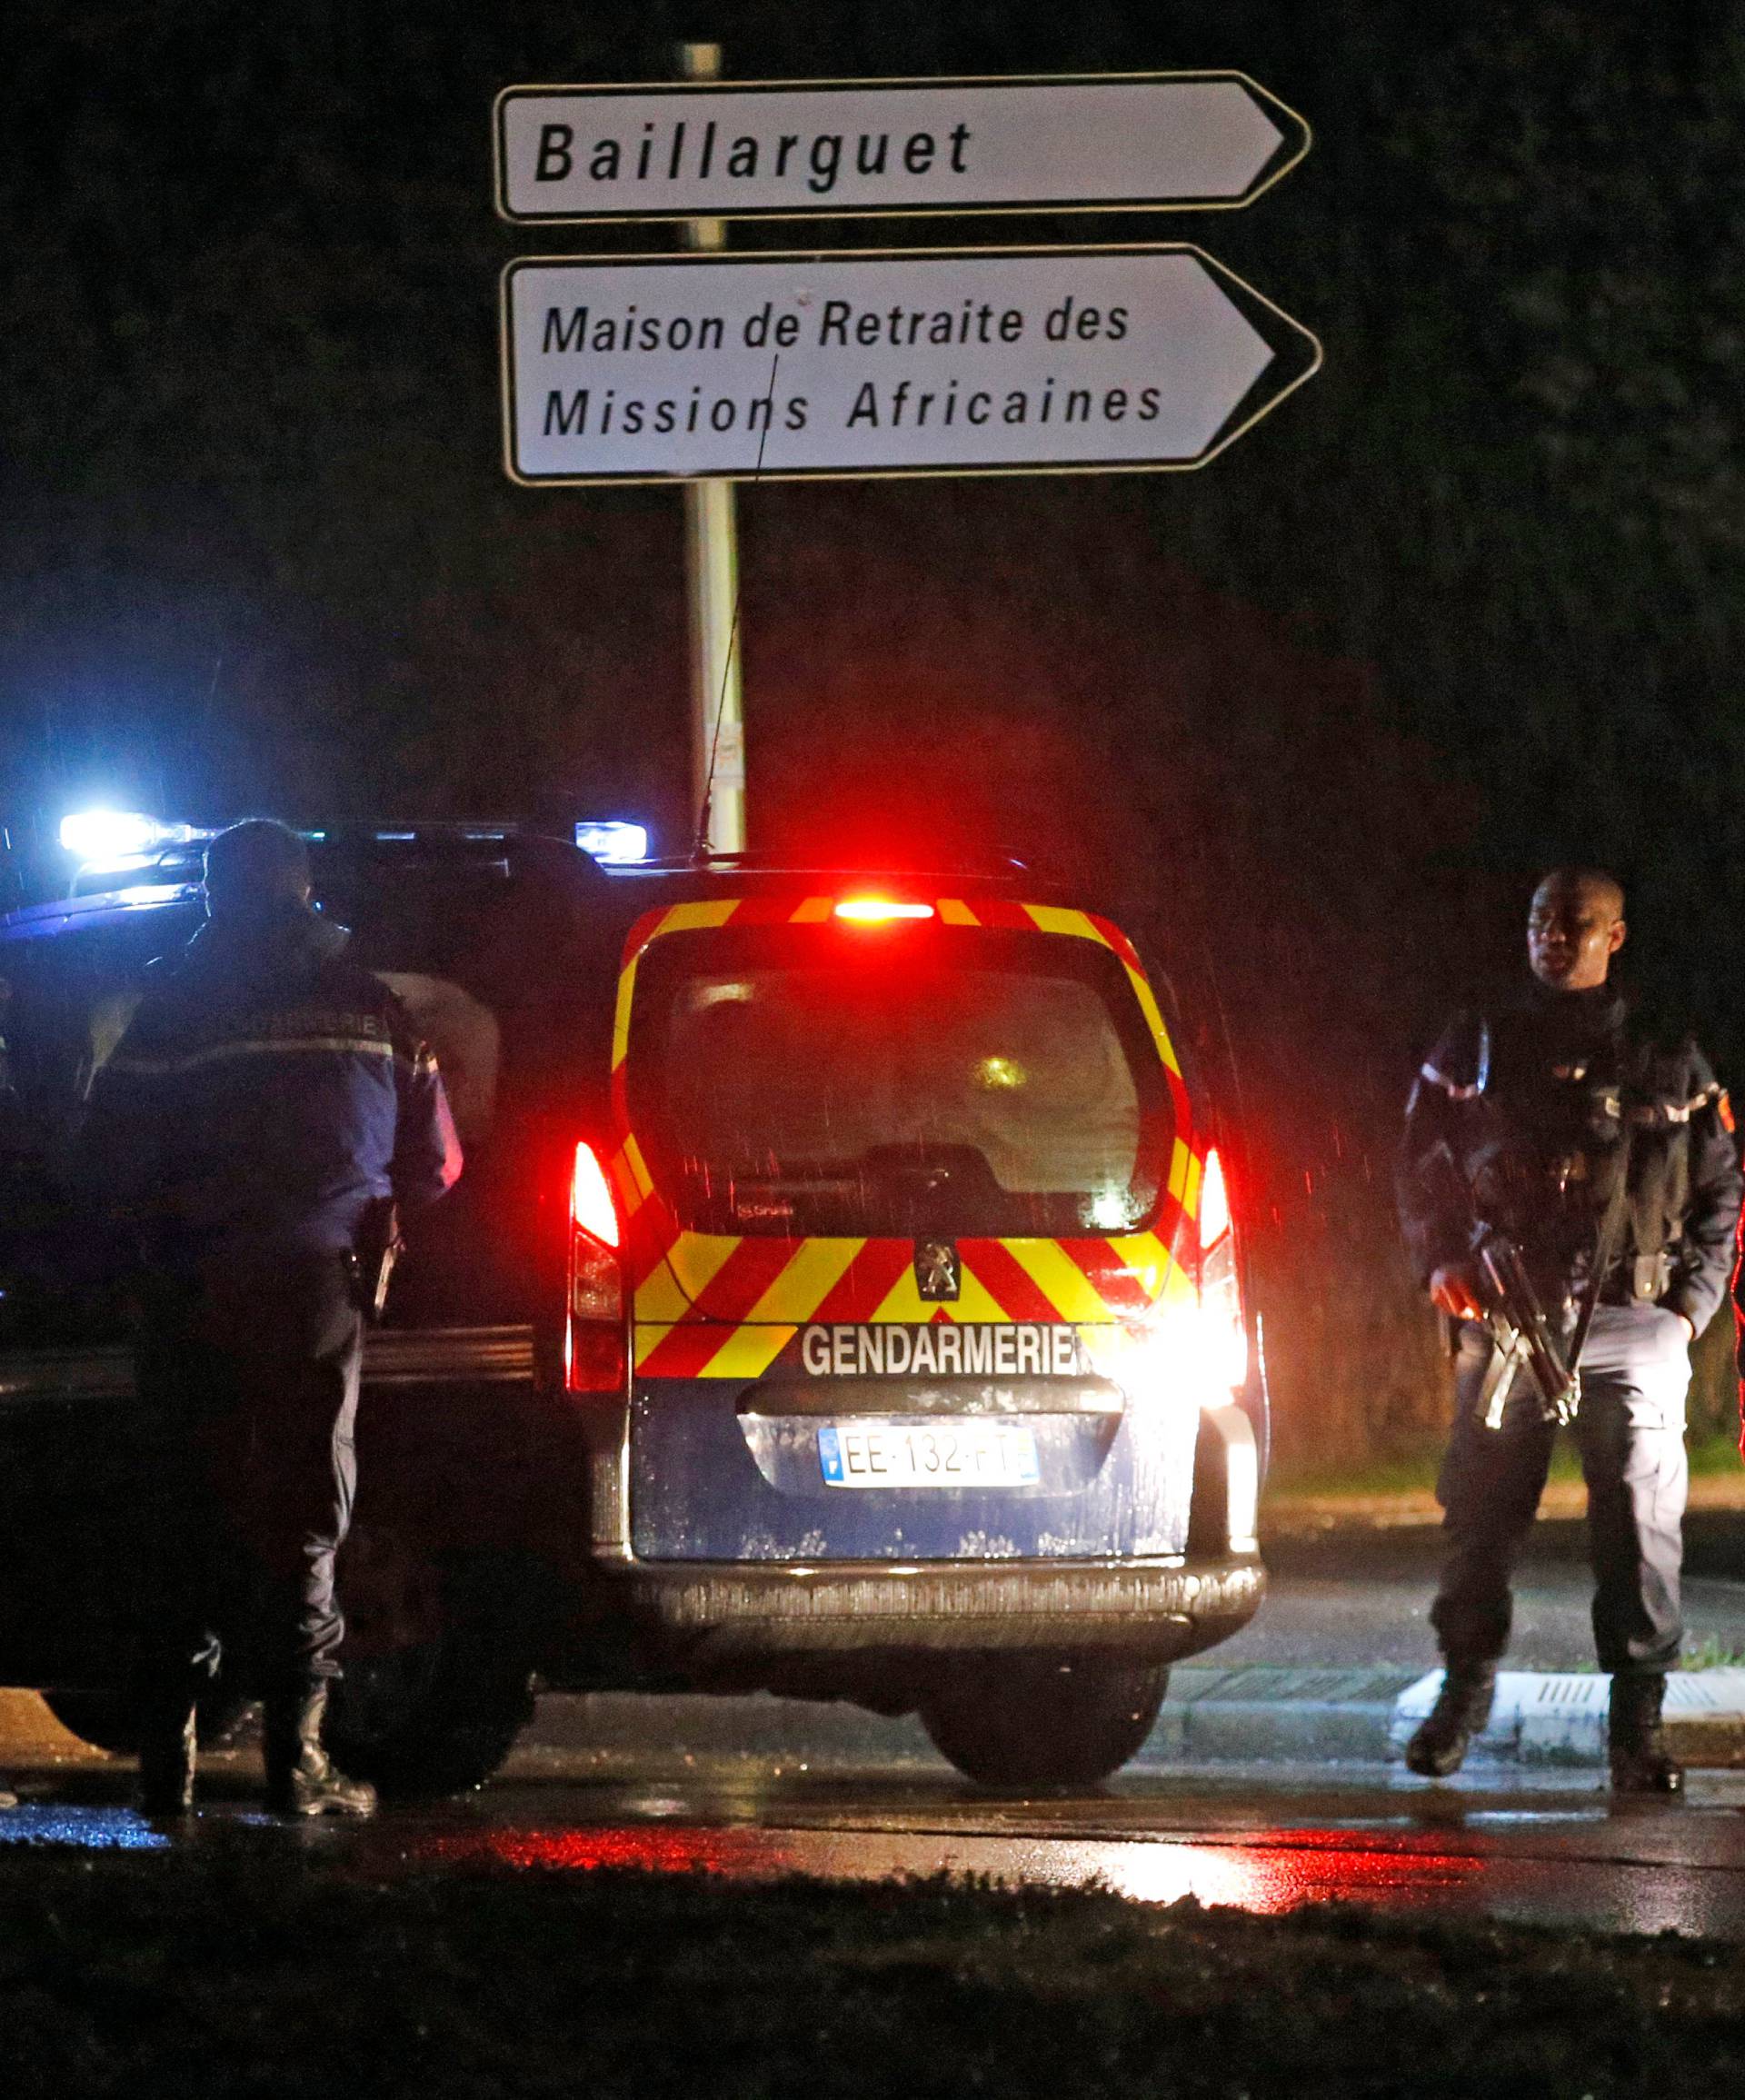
(841, 1299)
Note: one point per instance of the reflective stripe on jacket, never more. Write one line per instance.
(266, 1091)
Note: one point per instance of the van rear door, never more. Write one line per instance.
(907, 1195)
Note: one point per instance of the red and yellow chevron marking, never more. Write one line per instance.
(716, 1305)
(711, 1305)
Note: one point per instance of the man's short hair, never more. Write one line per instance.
(1595, 880)
(255, 864)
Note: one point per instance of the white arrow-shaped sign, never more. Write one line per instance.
(980, 361)
(775, 149)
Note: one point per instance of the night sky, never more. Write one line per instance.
(1471, 600)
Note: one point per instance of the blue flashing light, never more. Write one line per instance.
(613, 841)
(113, 838)
(106, 834)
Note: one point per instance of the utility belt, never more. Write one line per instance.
(1639, 1280)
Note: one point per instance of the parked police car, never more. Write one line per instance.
(839, 1300)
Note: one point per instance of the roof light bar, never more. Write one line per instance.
(879, 910)
(614, 842)
(106, 837)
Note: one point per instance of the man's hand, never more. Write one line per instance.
(1451, 1291)
(1688, 1324)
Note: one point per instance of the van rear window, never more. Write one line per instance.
(914, 1079)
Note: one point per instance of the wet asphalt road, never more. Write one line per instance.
(1349, 1596)
(757, 1788)
(1556, 1851)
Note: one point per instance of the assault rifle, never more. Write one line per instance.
(1522, 1336)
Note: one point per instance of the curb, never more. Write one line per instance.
(1265, 1714)
(1257, 1714)
(1541, 1718)
(1250, 1715)
(1560, 1719)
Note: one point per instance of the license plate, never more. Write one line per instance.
(874, 1454)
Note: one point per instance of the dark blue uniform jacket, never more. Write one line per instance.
(265, 1091)
(1556, 1076)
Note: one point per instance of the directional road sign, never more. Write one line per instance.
(977, 361)
(775, 149)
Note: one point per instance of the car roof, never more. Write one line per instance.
(59, 915)
(651, 885)
(607, 899)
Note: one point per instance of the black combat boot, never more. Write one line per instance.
(302, 1779)
(1641, 1761)
(167, 1743)
(1462, 1707)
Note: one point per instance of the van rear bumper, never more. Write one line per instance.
(726, 1613)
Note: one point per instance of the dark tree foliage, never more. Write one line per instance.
(1470, 602)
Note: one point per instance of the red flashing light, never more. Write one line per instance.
(880, 911)
(1214, 1202)
(592, 1208)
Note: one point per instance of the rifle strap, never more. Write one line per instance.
(1506, 1359)
(1605, 1248)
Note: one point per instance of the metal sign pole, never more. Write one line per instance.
(711, 595)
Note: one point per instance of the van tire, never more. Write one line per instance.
(436, 1687)
(1042, 1723)
(110, 1720)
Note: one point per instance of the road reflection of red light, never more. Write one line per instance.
(655, 1848)
(1269, 1879)
(1266, 1879)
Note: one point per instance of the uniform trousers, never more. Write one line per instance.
(248, 1371)
(1630, 1432)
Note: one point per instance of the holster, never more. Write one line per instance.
(378, 1247)
(1651, 1276)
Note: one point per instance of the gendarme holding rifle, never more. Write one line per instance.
(1570, 1189)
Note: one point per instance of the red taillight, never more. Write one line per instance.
(1223, 1331)
(1214, 1202)
(592, 1208)
(595, 1356)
